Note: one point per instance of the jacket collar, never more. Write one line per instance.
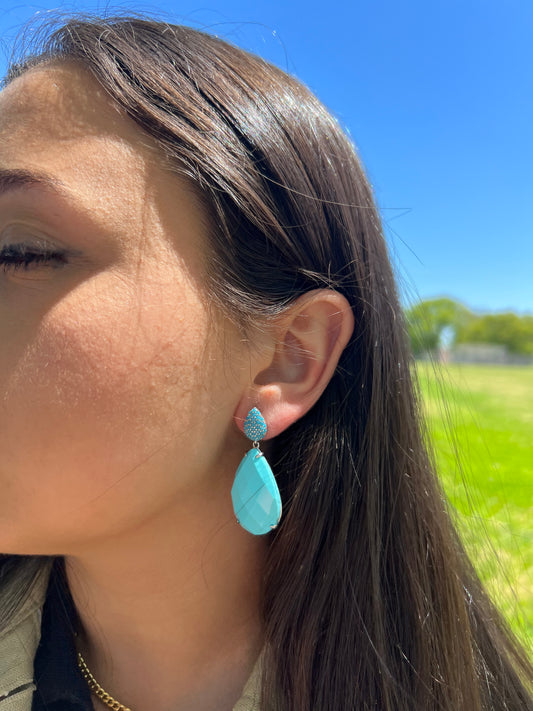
(20, 639)
(18, 644)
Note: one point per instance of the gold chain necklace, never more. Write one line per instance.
(95, 687)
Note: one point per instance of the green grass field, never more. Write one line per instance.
(481, 424)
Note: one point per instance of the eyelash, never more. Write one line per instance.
(21, 256)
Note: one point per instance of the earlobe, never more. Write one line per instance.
(309, 341)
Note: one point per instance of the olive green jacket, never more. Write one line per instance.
(18, 644)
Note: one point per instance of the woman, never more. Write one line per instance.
(189, 242)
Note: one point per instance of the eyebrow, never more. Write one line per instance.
(18, 179)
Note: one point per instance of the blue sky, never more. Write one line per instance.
(438, 98)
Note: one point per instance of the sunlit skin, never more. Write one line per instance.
(123, 398)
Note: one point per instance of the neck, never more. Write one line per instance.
(170, 611)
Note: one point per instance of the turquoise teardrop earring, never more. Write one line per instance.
(255, 494)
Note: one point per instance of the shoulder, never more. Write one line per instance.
(20, 633)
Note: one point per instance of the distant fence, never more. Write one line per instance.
(489, 353)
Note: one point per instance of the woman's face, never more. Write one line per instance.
(116, 399)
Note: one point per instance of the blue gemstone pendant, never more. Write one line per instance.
(255, 493)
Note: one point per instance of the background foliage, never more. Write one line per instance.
(427, 321)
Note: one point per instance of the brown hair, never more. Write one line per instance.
(370, 601)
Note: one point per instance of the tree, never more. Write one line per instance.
(508, 329)
(427, 320)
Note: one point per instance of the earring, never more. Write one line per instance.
(255, 494)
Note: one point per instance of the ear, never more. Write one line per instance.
(307, 342)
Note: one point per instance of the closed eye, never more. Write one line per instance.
(20, 256)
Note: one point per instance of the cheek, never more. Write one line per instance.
(96, 407)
